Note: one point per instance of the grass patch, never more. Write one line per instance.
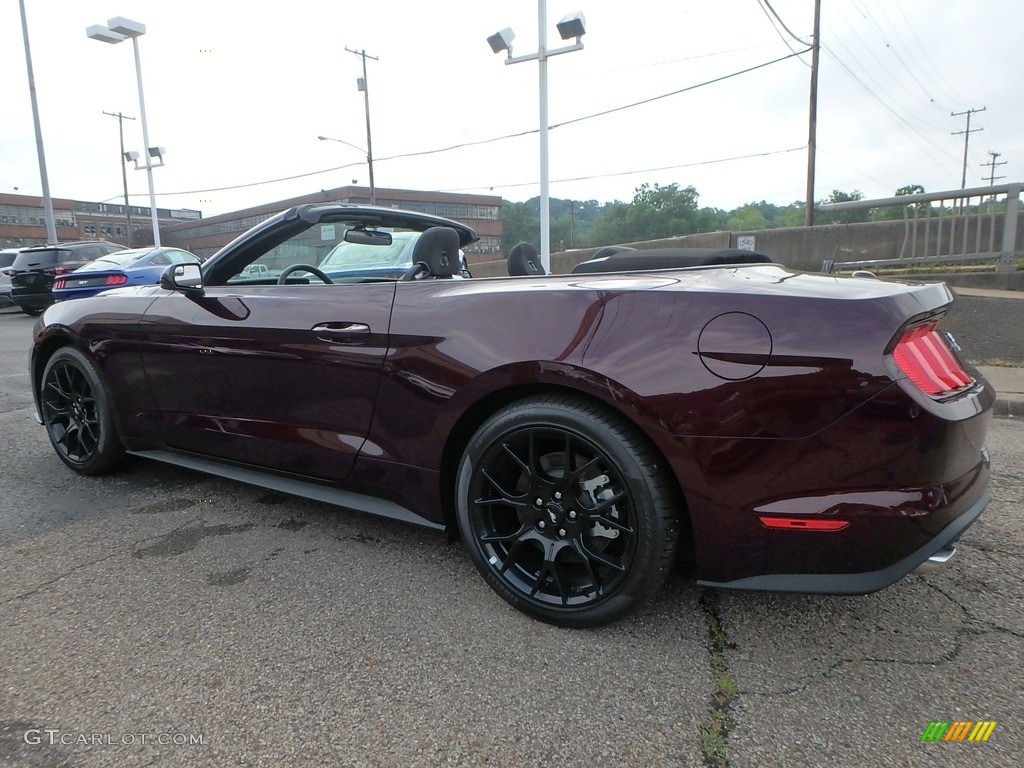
(714, 732)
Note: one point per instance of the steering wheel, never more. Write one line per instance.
(283, 277)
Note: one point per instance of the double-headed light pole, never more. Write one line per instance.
(117, 30)
(572, 26)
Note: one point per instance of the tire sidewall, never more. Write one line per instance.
(109, 452)
(645, 572)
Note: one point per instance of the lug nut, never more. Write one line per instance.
(558, 495)
(561, 531)
(572, 514)
(542, 525)
(538, 502)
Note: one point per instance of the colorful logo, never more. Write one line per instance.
(958, 730)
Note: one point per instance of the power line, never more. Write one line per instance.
(764, 10)
(641, 170)
(779, 18)
(889, 109)
(495, 138)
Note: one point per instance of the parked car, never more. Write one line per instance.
(138, 266)
(35, 269)
(580, 432)
(7, 257)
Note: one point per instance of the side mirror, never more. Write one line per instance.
(182, 277)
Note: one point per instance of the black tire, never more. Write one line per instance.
(576, 548)
(32, 311)
(77, 414)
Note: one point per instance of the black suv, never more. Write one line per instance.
(35, 268)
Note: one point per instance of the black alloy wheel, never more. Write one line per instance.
(566, 511)
(76, 413)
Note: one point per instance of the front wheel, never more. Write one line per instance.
(567, 511)
(77, 414)
(32, 311)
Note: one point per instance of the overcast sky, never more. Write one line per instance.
(239, 92)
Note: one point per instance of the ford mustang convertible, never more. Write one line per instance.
(581, 433)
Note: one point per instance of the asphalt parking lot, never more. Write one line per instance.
(163, 618)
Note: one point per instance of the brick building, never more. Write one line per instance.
(482, 212)
(22, 222)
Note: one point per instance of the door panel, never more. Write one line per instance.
(281, 376)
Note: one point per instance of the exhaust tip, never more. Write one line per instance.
(936, 561)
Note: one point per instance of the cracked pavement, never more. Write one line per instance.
(289, 633)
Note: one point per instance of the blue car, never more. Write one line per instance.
(138, 266)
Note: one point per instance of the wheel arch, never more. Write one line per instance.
(54, 340)
(486, 406)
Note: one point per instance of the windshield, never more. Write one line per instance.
(350, 256)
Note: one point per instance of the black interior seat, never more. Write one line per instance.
(523, 260)
(436, 254)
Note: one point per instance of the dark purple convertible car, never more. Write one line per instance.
(580, 432)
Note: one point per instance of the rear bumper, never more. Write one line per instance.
(32, 300)
(870, 581)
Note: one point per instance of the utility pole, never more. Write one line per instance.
(363, 85)
(812, 130)
(991, 178)
(124, 171)
(967, 138)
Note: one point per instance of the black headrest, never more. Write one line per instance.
(438, 249)
(523, 260)
(669, 258)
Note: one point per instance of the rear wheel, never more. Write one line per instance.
(567, 511)
(77, 414)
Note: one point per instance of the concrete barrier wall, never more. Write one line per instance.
(802, 248)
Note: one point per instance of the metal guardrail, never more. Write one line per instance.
(948, 232)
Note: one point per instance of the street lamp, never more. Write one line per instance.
(571, 26)
(116, 31)
(369, 161)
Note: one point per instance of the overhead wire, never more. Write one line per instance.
(640, 170)
(785, 41)
(493, 139)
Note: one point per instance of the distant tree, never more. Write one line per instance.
(747, 218)
(844, 217)
(893, 213)
(521, 223)
(610, 226)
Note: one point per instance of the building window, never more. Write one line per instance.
(90, 230)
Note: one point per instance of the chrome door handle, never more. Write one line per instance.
(340, 331)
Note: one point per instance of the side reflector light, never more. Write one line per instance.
(923, 354)
(115, 280)
(802, 523)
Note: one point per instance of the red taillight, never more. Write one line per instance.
(115, 280)
(59, 283)
(923, 354)
(803, 523)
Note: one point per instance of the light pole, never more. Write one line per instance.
(571, 26)
(116, 31)
(369, 161)
(51, 225)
